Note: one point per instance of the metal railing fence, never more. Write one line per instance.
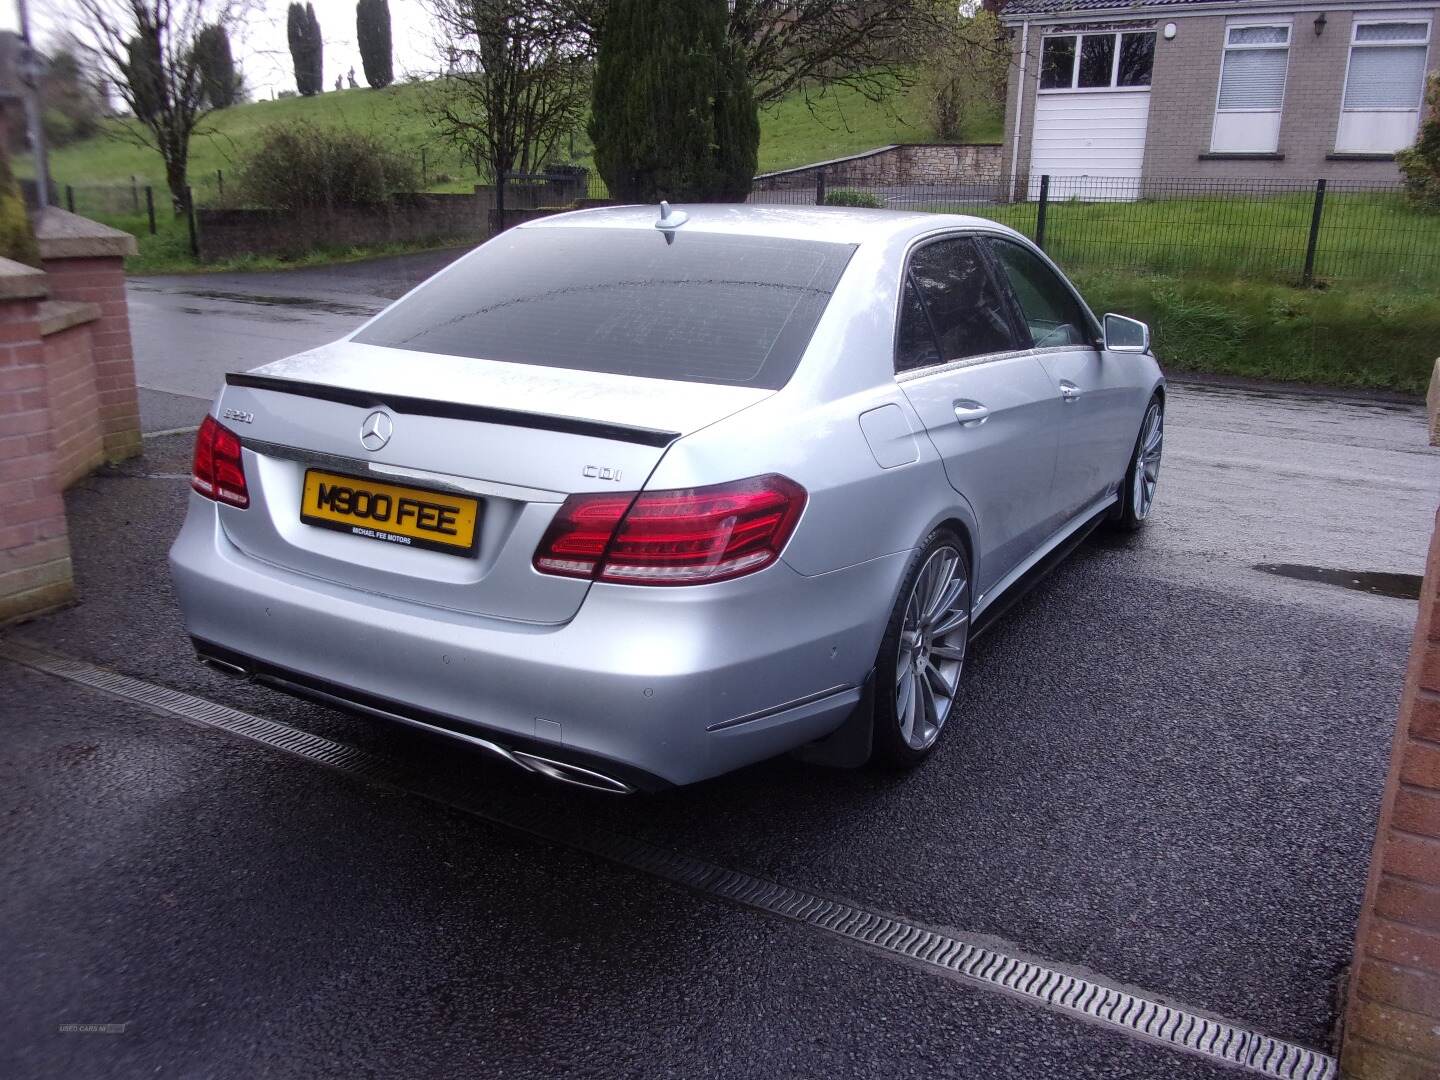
(1305, 232)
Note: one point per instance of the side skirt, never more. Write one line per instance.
(1027, 577)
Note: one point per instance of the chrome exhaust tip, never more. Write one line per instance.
(224, 666)
(566, 773)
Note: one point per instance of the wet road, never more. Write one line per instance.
(1167, 776)
(189, 330)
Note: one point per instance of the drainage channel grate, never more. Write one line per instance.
(269, 732)
(1119, 1010)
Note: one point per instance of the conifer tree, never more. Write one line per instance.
(672, 113)
(372, 32)
(306, 49)
(220, 83)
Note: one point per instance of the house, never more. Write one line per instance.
(1156, 90)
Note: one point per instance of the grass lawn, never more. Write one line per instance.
(107, 177)
(1350, 335)
(843, 122)
(1376, 237)
(792, 133)
(393, 113)
(1216, 280)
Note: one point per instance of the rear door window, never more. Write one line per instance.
(969, 314)
(915, 341)
(698, 307)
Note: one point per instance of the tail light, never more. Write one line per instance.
(682, 537)
(218, 472)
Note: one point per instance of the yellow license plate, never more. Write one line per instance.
(414, 517)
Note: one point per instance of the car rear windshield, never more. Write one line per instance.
(700, 307)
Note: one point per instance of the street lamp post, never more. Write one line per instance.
(31, 69)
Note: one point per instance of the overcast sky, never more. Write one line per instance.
(260, 45)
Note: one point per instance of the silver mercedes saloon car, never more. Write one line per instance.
(631, 497)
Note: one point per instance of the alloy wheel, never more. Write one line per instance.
(931, 652)
(1147, 464)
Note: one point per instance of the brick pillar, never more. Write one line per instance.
(1392, 1019)
(35, 571)
(85, 261)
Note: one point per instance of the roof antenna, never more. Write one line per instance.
(670, 219)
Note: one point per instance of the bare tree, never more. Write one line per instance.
(146, 50)
(867, 45)
(807, 45)
(963, 72)
(516, 80)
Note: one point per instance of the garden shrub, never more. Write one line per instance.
(851, 197)
(301, 165)
(16, 240)
(1420, 164)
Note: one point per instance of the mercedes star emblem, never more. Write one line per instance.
(375, 432)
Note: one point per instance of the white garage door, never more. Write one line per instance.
(1091, 144)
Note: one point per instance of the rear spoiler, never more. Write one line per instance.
(450, 410)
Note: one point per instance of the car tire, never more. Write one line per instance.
(924, 646)
(1136, 502)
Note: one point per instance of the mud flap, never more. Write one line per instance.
(849, 745)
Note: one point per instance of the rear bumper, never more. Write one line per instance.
(651, 686)
(579, 768)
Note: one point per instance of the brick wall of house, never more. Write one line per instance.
(1182, 101)
(1392, 1021)
(35, 570)
(1184, 84)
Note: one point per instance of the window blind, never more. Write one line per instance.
(1385, 78)
(1253, 78)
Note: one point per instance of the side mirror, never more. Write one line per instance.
(1126, 335)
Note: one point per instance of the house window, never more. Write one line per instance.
(1097, 61)
(1252, 89)
(1384, 85)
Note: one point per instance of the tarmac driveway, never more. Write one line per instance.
(1166, 779)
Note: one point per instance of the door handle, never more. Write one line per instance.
(971, 413)
(1069, 392)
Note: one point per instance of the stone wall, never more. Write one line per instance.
(408, 219)
(906, 163)
(513, 217)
